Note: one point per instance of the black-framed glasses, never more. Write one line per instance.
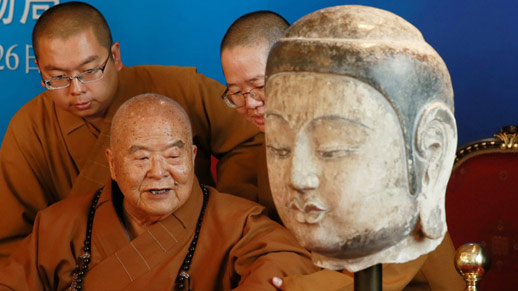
(238, 99)
(85, 77)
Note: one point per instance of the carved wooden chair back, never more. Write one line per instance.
(482, 203)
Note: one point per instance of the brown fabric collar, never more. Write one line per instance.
(109, 234)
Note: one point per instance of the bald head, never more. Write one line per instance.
(151, 158)
(67, 19)
(244, 50)
(255, 28)
(148, 108)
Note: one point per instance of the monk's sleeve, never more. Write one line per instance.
(22, 190)
(321, 280)
(439, 270)
(232, 139)
(395, 278)
(267, 250)
(21, 271)
(433, 271)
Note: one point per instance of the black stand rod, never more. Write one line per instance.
(368, 279)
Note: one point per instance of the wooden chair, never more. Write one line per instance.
(482, 204)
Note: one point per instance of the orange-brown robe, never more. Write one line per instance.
(434, 271)
(265, 193)
(48, 154)
(238, 246)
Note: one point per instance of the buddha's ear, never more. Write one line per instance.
(436, 142)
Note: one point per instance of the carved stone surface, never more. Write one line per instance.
(360, 137)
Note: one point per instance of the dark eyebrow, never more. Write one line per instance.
(136, 148)
(86, 61)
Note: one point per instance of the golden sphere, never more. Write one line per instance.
(472, 261)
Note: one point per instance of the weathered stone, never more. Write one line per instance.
(361, 137)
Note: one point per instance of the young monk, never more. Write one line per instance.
(244, 50)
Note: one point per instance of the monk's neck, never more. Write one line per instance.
(95, 122)
(134, 229)
(138, 225)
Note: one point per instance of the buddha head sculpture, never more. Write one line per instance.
(360, 137)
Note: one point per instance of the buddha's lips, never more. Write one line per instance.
(309, 212)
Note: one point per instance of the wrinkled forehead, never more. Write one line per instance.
(137, 126)
(301, 97)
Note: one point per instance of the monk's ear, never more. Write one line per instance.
(116, 54)
(194, 151)
(38, 65)
(436, 142)
(109, 158)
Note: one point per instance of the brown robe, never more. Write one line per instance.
(238, 246)
(48, 154)
(265, 193)
(434, 271)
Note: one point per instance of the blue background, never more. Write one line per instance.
(477, 39)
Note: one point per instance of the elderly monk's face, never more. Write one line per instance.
(244, 69)
(75, 55)
(152, 161)
(336, 164)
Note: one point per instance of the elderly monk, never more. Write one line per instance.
(54, 146)
(244, 51)
(153, 226)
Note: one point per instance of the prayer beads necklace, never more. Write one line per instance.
(180, 282)
(84, 259)
(183, 276)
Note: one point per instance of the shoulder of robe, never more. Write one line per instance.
(196, 93)
(183, 84)
(230, 205)
(33, 113)
(158, 72)
(68, 210)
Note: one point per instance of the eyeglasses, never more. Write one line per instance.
(85, 77)
(238, 99)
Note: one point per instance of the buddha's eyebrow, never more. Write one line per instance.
(341, 118)
(275, 114)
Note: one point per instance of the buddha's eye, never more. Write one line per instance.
(279, 152)
(335, 153)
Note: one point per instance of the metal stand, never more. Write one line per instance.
(368, 279)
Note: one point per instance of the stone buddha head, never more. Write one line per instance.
(360, 137)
